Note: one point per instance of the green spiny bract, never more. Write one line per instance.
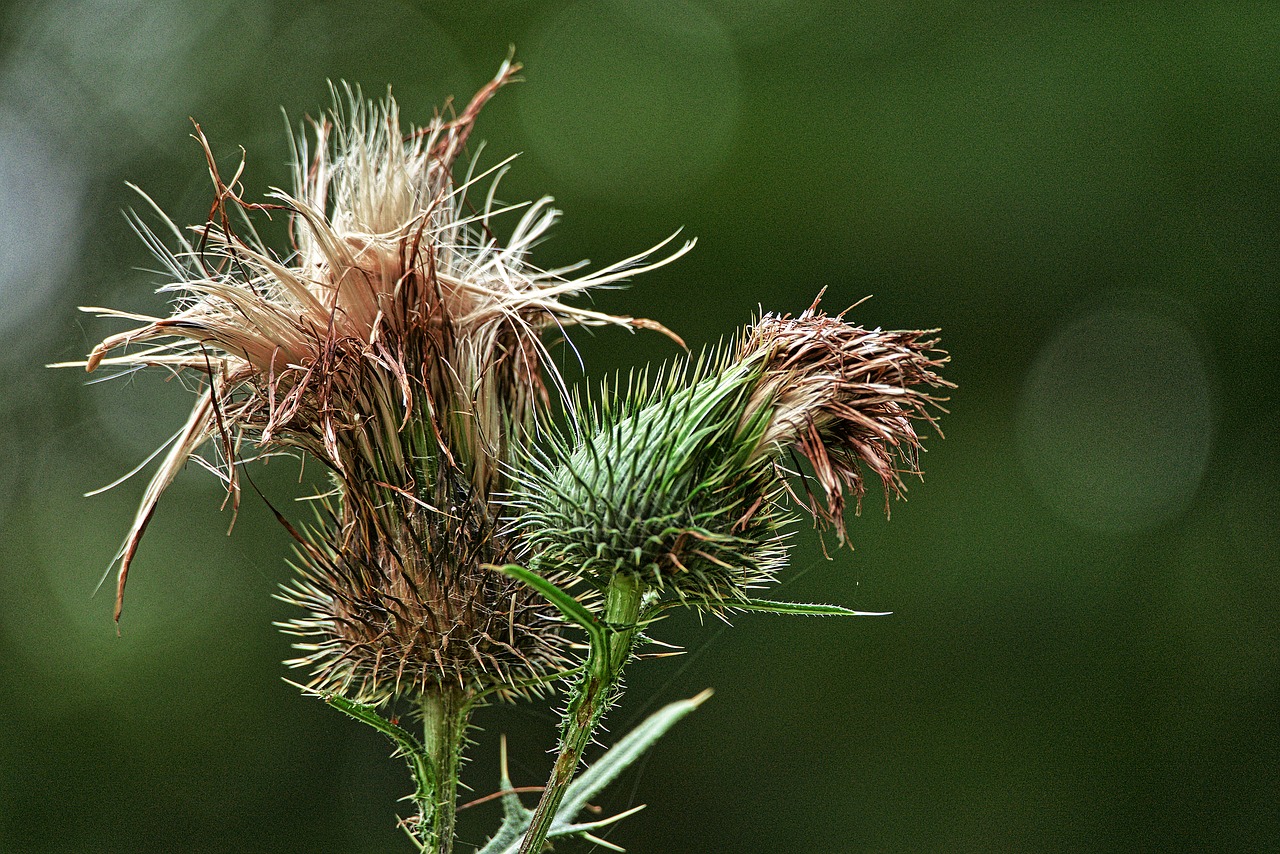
(664, 482)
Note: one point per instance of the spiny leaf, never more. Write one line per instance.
(769, 606)
(402, 738)
(591, 781)
(507, 839)
(405, 743)
(585, 827)
(516, 817)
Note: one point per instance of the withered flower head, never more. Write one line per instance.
(400, 343)
(681, 481)
(844, 396)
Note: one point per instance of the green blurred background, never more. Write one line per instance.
(1085, 196)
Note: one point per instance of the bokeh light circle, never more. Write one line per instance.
(40, 208)
(1116, 420)
(631, 102)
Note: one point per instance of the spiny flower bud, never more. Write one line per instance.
(662, 482)
(681, 481)
(400, 344)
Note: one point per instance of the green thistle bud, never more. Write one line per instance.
(681, 481)
(664, 482)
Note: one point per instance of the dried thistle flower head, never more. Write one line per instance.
(844, 396)
(400, 343)
(681, 481)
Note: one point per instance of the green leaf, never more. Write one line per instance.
(571, 608)
(406, 744)
(367, 714)
(591, 781)
(802, 608)
(516, 817)
(507, 839)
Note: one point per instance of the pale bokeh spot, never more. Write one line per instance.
(40, 207)
(1117, 420)
(880, 23)
(109, 75)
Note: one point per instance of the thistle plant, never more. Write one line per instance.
(468, 531)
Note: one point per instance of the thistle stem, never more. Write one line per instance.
(444, 729)
(592, 697)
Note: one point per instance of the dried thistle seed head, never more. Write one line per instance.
(681, 482)
(659, 483)
(401, 339)
(845, 396)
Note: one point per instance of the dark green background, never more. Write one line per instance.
(1085, 196)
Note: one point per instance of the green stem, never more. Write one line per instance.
(444, 730)
(591, 699)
